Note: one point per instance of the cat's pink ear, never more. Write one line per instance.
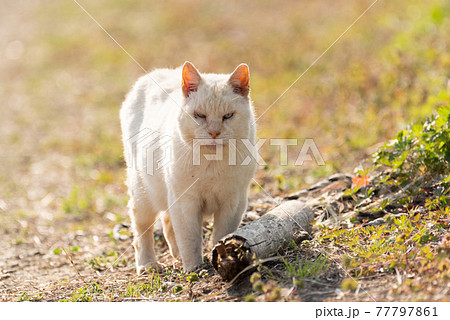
(240, 79)
(191, 79)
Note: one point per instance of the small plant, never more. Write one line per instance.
(192, 277)
(79, 201)
(415, 176)
(420, 150)
(301, 268)
(177, 289)
(349, 284)
(382, 248)
(85, 294)
(145, 289)
(25, 297)
(269, 291)
(203, 273)
(257, 284)
(250, 298)
(107, 260)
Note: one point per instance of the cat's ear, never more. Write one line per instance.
(190, 79)
(239, 80)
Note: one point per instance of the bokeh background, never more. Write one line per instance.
(62, 81)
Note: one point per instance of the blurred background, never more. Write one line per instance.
(62, 82)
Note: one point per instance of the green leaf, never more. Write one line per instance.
(417, 129)
(444, 113)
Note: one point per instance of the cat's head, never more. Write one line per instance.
(217, 106)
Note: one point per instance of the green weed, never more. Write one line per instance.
(269, 291)
(383, 248)
(305, 267)
(25, 297)
(107, 260)
(85, 294)
(419, 149)
(145, 289)
(79, 201)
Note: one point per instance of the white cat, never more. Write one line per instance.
(164, 114)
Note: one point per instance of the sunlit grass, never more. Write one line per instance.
(384, 83)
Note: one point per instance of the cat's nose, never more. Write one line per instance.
(214, 134)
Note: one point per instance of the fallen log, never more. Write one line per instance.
(262, 238)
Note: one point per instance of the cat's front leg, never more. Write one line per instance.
(228, 218)
(143, 219)
(187, 224)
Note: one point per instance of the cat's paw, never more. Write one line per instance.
(149, 267)
(203, 266)
(197, 267)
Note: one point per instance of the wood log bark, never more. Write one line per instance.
(261, 238)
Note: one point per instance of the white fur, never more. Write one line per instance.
(218, 189)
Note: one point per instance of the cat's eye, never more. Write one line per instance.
(228, 116)
(199, 115)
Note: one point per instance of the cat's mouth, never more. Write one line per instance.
(212, 143)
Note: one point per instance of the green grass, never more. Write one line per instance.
(414, 174)
(25, 297)
(267, 290)
(344, 90)
(296, 268)
(386, 77)
(147, 288)
(79, 202)
(167, 282)
(107, 260)
(305, 267)
(383, 248)
(423, 149)
(87, 293)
